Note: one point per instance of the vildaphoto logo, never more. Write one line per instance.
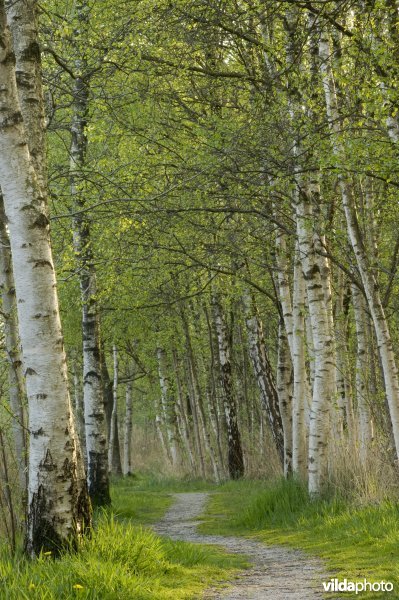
(335, 585)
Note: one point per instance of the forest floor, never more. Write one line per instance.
(276, 572)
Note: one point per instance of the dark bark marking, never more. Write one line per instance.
(31, 52)
(41, 222)
(48, 464)
(30, 371)
(43, 263)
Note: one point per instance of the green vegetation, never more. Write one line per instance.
(141, 506)
(355, 541)
(121, 561)
(144, 498)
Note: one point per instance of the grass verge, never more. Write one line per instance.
(122, 560)
(356, 542)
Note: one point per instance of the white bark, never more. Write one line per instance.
(284, 392)
(159, 429)
(235, 455)
(294, 321)
(183, 423)
(22, 19)
(114, 465)
(58, 507)
(167, 407)
(195, 418)
(302, 396)
(79, 411)
(324, 359)
(264, 377)
(344, 423)
(362, 374)
(127, 439)
(284, 287)
(370, 285)
(17, 393)
(95, 423)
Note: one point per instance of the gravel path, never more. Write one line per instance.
(277, 573)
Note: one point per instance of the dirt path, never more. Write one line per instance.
(277, 573)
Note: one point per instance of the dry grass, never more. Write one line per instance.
(372, 481)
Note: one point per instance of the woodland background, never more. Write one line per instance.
(223, 199)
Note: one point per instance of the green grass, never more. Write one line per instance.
(144, 499)
(125, 560)
(122, 560)
(355, 542)
(140, 506)
(158, 483)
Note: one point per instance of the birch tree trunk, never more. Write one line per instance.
(235, 455)
(198, 397)
(344, 387)
(284, 286)
(184, 427)
(79, 412)
(324, 359)
(127, 438)
(159, 429)
(167, 407)
(362, 374)
(96, 439)
(301, 398)
(213, 392)
(370, 284)
(107, 386)
(339, 401)
(294, 322)
(22, 19)
(12, 344)
(58, 503)
(265, 379)
(284, 392)
(114, 462)
(195, 418)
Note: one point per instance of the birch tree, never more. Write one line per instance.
(114, 463)
(58, 503)
(235, 455)
(96, 440)
(371, 288)
(12, 345)
(128, 426)
(324, 360)
(168, 407)
(267, 386)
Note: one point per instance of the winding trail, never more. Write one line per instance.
(277, 573)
